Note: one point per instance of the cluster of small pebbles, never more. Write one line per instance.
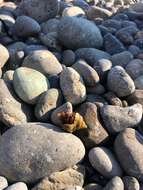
(71, 95)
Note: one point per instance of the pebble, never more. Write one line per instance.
(4, 55)
(3, 182)
(115, 183)
(116, 118)
(12, 110)
(139, 82)
(95, 134)
(37, 150)
(23, 80)
(98, 89)
(77, 33)
(63, 179)
(89, 75)
(68, 58)
(93, 186)
(50, 25)
(8, 75)
(136, 97)
(120, 82)
(131, 183)
(134, 50)
(43, 61)
(135, 68)
(112, 45)
(16, 186)
(103, 160)
(73, 11)
(72, 86)
(38, 10)
(91, 55)
(121, 59)
(129, 151)
(25, 26)
(47, 102)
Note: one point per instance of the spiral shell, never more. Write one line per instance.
(72, 121)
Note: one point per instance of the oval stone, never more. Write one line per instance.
(32, 151)
(29, 84)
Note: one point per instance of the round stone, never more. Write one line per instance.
(120, 82)
(77, 33)
(129, 150)
(115, 183)
(73, 11)
(131, 183)
(19, 185)
(139, 82)
(47, 102)
(103, 160)
(4, 55)
(33, 151)
(8, 75)
(68, 58)
(25, 27)
(72, 86)
(29, 84)
(3, 182)
(43, 61)
(39, 10)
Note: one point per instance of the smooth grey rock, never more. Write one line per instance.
(50, 25)
(93, 186)
(116, 118)
(77, 33)
(29, 84)
(66, 107)
(103, 160)
(39, 10)
(3, 182)
(135, 68)
(47, 102)
(25, 26)
(12, 111)
(68, 58)
(115, 183)
(131, 183)
(121, 59)
(31, 48)
(91, 55)
(136, 97)
(94, 134)
(35, 150)
(4, 55)
(139, 82)
(43, 61)
(98, 89)
(72, 86)
(129, 150)
(89, 75)
(16, 186)
(120, 82)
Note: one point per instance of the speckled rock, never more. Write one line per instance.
(66, 107)
(43, 61)
(112, 44)
(131, 183)
(103, 160)
(8, 75)
(72, 86)
(136, 97)
(25, 27)
(115, 183)
(93, 186)
(94, 134)
(23, 81)
(96, 12)
(91, 55)
(68, 58)
(122, 58)
(4, 55)
(43, 150)
(116, 118)
(135, 68)
(3, 182)
(139, 82)
(19, 185)
(129, 150)
(73, 11)
(38, 10)
(12, 111)
(89, 75)
(47, 102)
(62, 180)
(77, 33)
(120, 82)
